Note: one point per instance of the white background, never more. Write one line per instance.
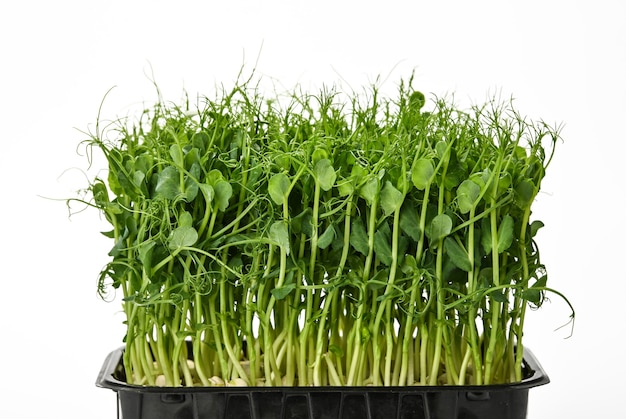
(563, 61)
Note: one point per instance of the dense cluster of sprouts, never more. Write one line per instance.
(323, 241)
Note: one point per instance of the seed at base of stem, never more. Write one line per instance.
(237, 382)
(160, 381)
(246, 366)
(216, 381)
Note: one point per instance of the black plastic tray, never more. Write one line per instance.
(424, 402)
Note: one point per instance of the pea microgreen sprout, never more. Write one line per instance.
(324, 239)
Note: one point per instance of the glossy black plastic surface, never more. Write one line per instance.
(437, 402)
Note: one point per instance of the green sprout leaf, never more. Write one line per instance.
(326, 238)
(100, 194)
(417, 100)
(168, 183)
(280, 235)
(345, 187)
(458, 255)
(467, 193)
(282, 292)
(525, 191)
(223, 193)
(409, 223)
(358, 237)
(301, 223)
(145, 253)
(422, 173)
(390, 198)
(138, 178)
(177, 155)
(485, 236)
(369, 191)
(207, 191)
(505, 233)
(183, 236)
(278, 188)
(325, 174)
(535, 292)
(498, 296)
(185, 219)
(382, 248)
(191, 183)
(440, 227)
(535, 226)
